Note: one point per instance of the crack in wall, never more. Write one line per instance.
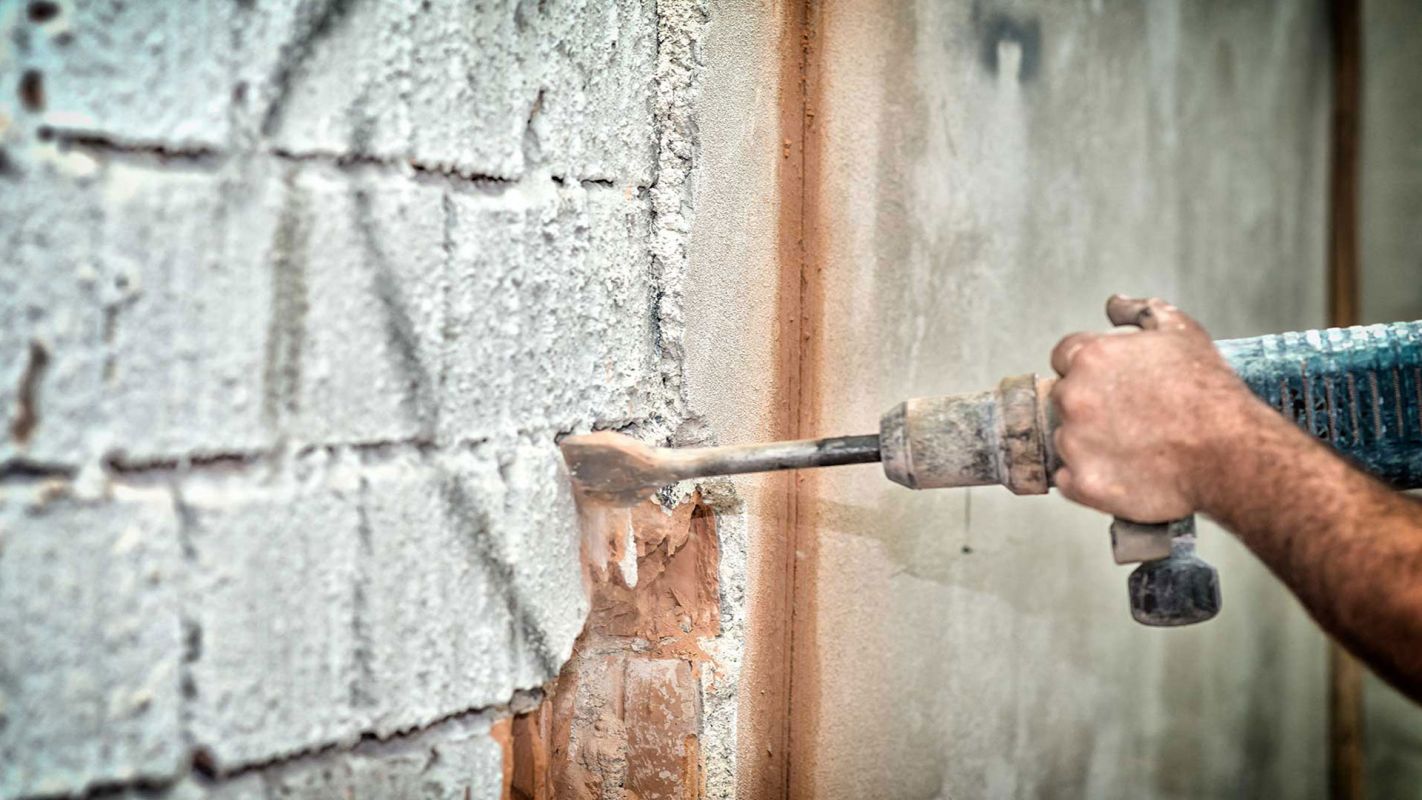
(170, 155)
(120, 467)
(22, 469)
(367, 743)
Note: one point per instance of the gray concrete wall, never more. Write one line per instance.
(991, 172)
(730, 359)
(1391, 167)
(1391, 277)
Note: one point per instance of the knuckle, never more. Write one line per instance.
(1072, 402)
(1088, 487)
(1062, 350)
(1089, 355)
(1065, 441)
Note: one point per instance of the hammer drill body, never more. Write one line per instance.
(1358, 389)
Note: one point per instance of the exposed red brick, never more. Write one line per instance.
(529, 778)
(623, 718)
(502, 733)
(675, 590)
(662, 703)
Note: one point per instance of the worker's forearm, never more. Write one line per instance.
(1348, 546)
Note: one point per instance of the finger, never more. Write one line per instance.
(1124, 310)
(1152, 314)
(1064, 447)
(1062, 479)
(1067, 348)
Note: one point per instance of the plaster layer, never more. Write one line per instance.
(990, 173)
(732, 341)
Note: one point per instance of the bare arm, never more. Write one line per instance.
(1155, 426)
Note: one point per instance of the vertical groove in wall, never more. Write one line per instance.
(1345, 674)
(783, 713)
(803, 649)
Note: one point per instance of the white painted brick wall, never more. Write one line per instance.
(457, 761)
(146, 292)
(316, 283)
(272, 591)
(413, 587)
(157, 73)
(449, 84)
(188, 302)
(555, 282)
(92, 643)
(369, 253)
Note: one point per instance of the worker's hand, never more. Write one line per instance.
(1146, 418)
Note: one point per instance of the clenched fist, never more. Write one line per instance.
(1146, 417)
(1153, 425)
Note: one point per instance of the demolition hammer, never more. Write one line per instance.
(1358, 389)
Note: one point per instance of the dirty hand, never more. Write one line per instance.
(1146, 419)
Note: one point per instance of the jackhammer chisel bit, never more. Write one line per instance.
(1358, 389)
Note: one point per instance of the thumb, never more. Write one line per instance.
(1151, 314)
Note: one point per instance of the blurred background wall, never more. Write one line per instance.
(1391, 289)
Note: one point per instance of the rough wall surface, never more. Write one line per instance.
(991, 171)
(297, 296)
(731, 346)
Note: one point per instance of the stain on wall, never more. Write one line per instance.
(1002, 35)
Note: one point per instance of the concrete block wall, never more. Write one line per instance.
(296, 297)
